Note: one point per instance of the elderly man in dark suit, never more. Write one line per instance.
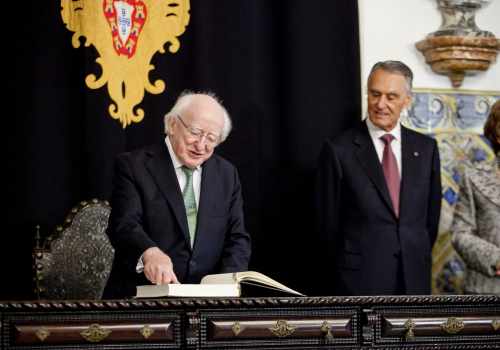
(177, 208)
(379, 195)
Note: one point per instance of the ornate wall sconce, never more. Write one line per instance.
(459, 48)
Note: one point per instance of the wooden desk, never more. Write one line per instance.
(425, 322)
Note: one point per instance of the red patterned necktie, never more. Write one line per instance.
(391, 172)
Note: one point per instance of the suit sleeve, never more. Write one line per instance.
(125, 230)
(327, 198)
(237, 244)
(434, 205)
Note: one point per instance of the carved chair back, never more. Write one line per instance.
(75, 261)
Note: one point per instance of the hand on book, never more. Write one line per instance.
(158, 267)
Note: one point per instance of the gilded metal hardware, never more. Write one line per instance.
(495, 324)
(282, 329)
(452, 325)
(409, 327)
(95, 333)
(326, 330)
(147, 331)
(42, 333)
(236, 328)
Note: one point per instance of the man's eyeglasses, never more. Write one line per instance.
(211, 139)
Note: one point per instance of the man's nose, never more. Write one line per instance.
(381, 102)
(201, 143)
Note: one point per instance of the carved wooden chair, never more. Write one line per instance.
(74, 262)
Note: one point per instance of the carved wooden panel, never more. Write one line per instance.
(75, 261)
(463, 327)
(92, 330)
(372, 322)
(308, 327)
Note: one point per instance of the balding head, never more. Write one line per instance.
(196, 125)
(200, 101)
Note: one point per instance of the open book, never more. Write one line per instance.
(218, 285)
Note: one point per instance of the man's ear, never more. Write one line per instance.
(408, 101)
(170, 126)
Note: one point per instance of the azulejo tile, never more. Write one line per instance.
(450, 196)
(455, 119)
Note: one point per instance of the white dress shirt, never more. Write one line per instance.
(181, 178)
(375, 134)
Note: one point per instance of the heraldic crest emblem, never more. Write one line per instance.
(126, 35)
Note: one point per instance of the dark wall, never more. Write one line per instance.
(287, 71)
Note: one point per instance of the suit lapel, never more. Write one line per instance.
(208, 194)
(162, 170)
(368, 158)
(409, 158)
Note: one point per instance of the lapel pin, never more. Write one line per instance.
(415, 154)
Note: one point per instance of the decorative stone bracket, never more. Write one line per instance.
(459, 47)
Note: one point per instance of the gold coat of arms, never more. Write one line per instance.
(126, 35)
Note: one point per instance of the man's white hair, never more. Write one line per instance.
(183, 102)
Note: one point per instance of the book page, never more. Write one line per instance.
(220, 278)
(249, 277)
(259, 278)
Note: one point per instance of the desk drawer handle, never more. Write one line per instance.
(42, 333)
(95, 333)
(147, 331)
(326, 330)
(409, 327)
(452, 325)
(236, 328)
(282, 329)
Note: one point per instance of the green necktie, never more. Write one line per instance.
(190, 202)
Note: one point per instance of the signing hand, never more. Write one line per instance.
(498, 269)
(158, 267)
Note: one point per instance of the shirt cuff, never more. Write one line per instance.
(139, 268)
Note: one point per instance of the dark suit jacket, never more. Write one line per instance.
(148, 211)
(364, 239)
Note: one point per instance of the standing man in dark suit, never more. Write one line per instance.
(177, 208)
(379, 196)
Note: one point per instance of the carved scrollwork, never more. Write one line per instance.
(95, 333)
(76, 259)
(282, 329)
(452, 325)
(249, 302)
